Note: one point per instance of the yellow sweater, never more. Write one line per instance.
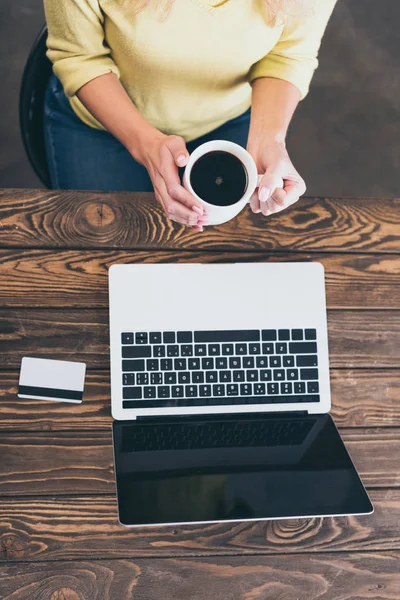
(189, 73)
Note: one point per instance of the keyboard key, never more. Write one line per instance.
(177, 391)
(205, 390)
(221, 363)
(214, 349)
(286, 388)
(303, 348)
(163, 391)
(173, 350)
(284, 334)
(299, 387)
(212, 376)
(275, 362)
(235, 362)
(184, 377)
(268, 335)
(136, 351)
(261, 362)
(126, 338)
(227, 349)
(142, 379)
(145, 403)
(288, 361)
(273, 388)
(259, 389)
(158, 351)
(170, 378)
(241, 349)
(310, 334)
(254, 348)
(156, 378)
(198, 377)
(152, 364)
(297, 334)
(166, 364)
(184, 337)
(219, 390)
(279, 374)
(266, 375)
(238, 376)
(180, 364)
(200, 350)
(207, 363)
(131, 393)
(128, 379)
(246, 389)
(191, 391)
(225, 376)
(252, 375)
(308, 374)
(281, 348)
(232, 389)
(186, 350)
(227, 336)
(248, 362)
(133, 365)
(169, 337)
(313, 387)
(268, 348)
(149, 392)
(194, 363)
(307, 360)
(292, 374)
(155, 337)
(141, 338)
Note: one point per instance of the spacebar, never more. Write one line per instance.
(241, 335)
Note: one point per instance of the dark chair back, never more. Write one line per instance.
(36, 75)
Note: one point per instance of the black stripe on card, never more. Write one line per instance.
(28, 390)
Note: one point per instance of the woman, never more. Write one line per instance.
(139, 84)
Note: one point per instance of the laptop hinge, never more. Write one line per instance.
(224, 416)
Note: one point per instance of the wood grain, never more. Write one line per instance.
(360, 398)
(73, 278)
(362, 339)
(330, 576)
(38, 218)
(72, 528)
(77, 463)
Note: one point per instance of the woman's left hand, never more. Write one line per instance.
(273, 161)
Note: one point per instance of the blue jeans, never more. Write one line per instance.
(83, 158)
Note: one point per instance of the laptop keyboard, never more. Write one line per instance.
(206, 368)
(234, 434)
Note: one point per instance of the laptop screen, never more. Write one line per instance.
(240, 468)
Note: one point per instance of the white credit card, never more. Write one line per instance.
(46, 379)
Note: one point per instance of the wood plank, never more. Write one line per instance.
(360, 398)
(361, 339)
(71, 278)
(329, 576)
(74, 528)
(38, 218)
(70, 463)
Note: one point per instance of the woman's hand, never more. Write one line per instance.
(273, 160)
(162, 156)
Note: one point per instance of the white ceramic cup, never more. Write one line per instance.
(222, 214)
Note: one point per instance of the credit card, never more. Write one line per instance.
(47, 379)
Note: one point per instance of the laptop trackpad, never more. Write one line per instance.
(243, 468)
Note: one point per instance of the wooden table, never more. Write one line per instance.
(59, 533)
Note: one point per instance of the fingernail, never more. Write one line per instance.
(198, 228)
(181, 159)
(198, 210)
(264, 194)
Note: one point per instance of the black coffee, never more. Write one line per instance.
(219, 178)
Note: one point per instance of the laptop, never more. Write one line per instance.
(221, 396)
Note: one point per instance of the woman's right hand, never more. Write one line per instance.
(162, 155)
